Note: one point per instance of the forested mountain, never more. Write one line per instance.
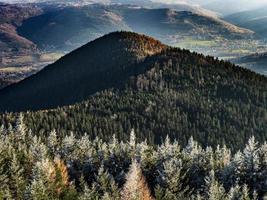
(126, 81)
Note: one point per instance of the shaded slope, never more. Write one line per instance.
(11, 16)
(70, 27)
(93, 67)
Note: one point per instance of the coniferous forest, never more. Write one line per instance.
(37, 167)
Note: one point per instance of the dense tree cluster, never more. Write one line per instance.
(70, 167)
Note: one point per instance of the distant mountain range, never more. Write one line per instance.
(162, 90)
(255, 20)
(69, 27)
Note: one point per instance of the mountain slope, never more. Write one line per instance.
(11, 16)
(70, 27)
(93, 67)
(132, 81)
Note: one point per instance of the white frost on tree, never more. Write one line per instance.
(135, 187)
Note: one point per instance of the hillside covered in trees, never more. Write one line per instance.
(125, 80)
(39, 167)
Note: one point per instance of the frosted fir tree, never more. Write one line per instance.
(251, 155)
(251, 164)
(41, 185)
(38, 151)
(51, 177)
(114, 145)
(147, 156)
(39, 190)
(17, 180)
(135, 187)
(20, 128)
(89, 193)
(83, 148)
(5, 192)
(245, 193)
(222, 157)
(215, 190)
(234, 193)
(173, 178)
(52, 142)
(132, 141)
(232, 173)
(192, 149)
(105, 182)
(68, 145)
(168, 149)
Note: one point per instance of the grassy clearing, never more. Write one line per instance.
(189, 42)
(50, 57)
